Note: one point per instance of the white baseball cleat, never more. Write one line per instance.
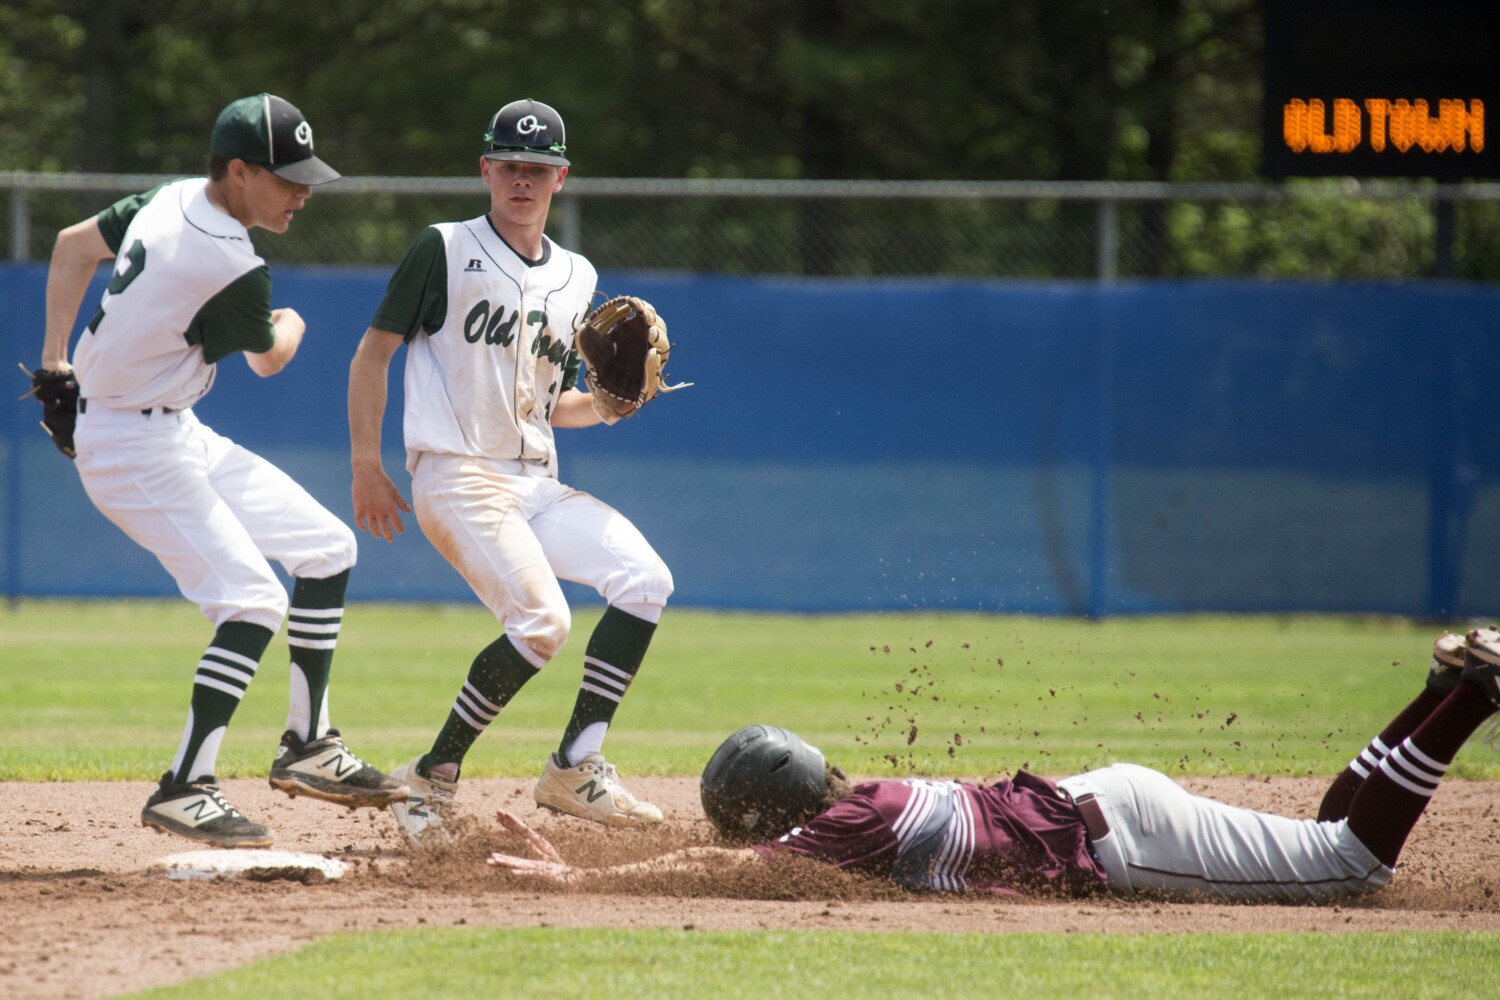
(326, 769)
(592, 790)
(1447, 661)
(1482, 663)
(421, 814)
(198, 811)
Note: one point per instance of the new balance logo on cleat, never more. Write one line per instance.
(591, 791)
(202, 810)
(343, 764)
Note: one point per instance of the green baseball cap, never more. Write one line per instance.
(270, 132)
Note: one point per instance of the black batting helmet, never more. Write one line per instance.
(761, 782)
(529, 131)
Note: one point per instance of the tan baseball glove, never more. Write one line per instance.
(625, 347)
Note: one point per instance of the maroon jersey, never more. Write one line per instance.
(1013, 836)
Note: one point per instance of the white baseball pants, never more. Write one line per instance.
(211, 511)
(512, 530)
(1164, 839)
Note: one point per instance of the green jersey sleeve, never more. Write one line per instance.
(115, 219)
(238, 318)
(570, 370)
(416, 298)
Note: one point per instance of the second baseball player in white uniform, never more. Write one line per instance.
(189, 291)
(487, 309)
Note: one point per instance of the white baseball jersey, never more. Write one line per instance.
(490, 341)
(188, 290)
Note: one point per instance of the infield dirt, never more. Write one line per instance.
(88, 921)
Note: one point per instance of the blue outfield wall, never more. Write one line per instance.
(855, 445)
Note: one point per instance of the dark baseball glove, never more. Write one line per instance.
(58, 394)
(625, 346)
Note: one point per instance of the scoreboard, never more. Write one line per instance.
(1381, 88)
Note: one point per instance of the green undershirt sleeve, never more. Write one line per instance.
(238, 318)
(416, 298)
(115, 219)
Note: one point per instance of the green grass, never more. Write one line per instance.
(100, 690)
(558, 963)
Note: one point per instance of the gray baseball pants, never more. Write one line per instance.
(1152, 835)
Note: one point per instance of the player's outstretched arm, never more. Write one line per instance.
(377, 502)
(75, 255)
(551, 866)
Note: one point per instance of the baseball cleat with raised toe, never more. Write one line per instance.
(199, 811)
(1448, 659)
(592, 790)
(325, 769)
(422, 812)
(1482, 661)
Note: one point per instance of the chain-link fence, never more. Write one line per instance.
(1029, 230)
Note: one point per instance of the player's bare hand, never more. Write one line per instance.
(538, 843)
(552, 871)
(377, 504)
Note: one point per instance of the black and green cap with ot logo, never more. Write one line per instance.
(528, 131)
(270, 132)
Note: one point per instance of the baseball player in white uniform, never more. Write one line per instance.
(189, 291)
(487, 308)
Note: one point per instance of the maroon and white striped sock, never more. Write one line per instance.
(1391, 800)
(1336, 800)
(1414, 770)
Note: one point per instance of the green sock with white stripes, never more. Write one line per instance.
(312, 632)
(495, 676)
(614, 654)
(224, 672)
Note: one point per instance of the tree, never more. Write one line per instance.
(775, 88)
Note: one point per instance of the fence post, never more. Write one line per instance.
(572, 223)
(20, 224)
(1107, 240)
(1099, 494)
(1444, 266)
(1452, 481)
(15, 486)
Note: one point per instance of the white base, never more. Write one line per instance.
(237, 861)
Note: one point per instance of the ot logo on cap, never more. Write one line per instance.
(303, 134)
(529, 126)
